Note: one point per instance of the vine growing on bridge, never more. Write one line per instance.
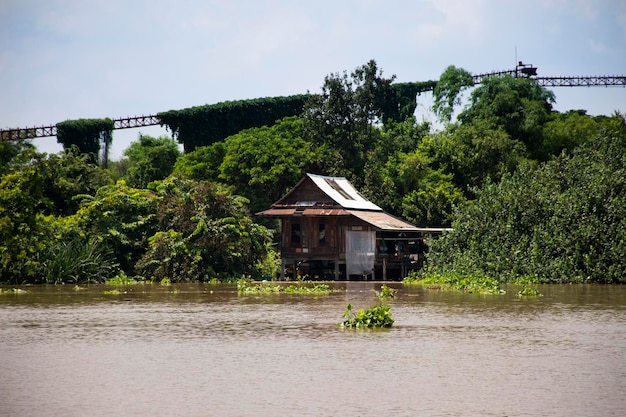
(203, 125)
(88, 135)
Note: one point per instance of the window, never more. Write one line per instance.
(322, 233)
(295, 233)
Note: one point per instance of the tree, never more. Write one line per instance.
(204, 233)
(122, 218)
(21, 197)
(519, 106)
(9, 150)
(561, 222)
(565, 131)
(447, 92)
(345, 116)
(67, 175)
(151, 159)
(202, 164)
(413, 189)
(264, 163)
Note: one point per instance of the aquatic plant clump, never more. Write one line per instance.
(12, 291)
(247, 286)
(376, 316)
(477, 284)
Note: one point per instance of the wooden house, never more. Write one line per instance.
(330, 231)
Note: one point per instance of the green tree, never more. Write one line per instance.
(561, 222)
(446, 94)
(565, 131)
(21, 197)
(151, 159)
(205, 233)
(346, 115)
(202, 164)
(9, 150)
(123, 218)
(413, 189)
(67, 175)
(264, 163)
(519, 106)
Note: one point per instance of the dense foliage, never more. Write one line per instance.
(150, 159)
(530, 193)
(91, 136)
(562, 222)
(204, 125)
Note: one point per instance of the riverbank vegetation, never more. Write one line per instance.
(527, 190)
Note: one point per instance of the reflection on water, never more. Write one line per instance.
(203, 350)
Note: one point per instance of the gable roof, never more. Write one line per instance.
(319, 195)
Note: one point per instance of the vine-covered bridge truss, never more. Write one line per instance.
(521, 70)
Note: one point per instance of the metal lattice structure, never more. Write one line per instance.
(45, 131)
(521, 70)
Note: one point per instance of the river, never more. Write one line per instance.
(201, 350)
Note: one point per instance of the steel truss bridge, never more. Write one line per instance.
(522, 70)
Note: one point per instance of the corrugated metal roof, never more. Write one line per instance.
(383, 221)
(284, 212)
(341, 191)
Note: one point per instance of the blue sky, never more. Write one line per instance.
(71, 59)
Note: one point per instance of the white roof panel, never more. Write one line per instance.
(341, 191)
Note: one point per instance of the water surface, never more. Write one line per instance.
(204, 350)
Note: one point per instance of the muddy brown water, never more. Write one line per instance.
(203, 350)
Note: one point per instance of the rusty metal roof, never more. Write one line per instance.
(383, 221)
(287, 212)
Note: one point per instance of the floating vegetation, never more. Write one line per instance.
(376, 316)
(113, 292)
(247, 286)
(12, 291)
(122, 279)
(529, 292)
(475, 284)
(386, 292)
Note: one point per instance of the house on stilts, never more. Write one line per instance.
(330, 231)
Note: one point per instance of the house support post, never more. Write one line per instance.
(283, 261)
(384, 267)
(336, 269)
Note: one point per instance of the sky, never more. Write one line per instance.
(72, 59)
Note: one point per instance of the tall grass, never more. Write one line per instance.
(77, 261)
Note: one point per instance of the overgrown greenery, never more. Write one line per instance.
(90, 136)
(529, 192)
(205, 125)
(564, 221)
